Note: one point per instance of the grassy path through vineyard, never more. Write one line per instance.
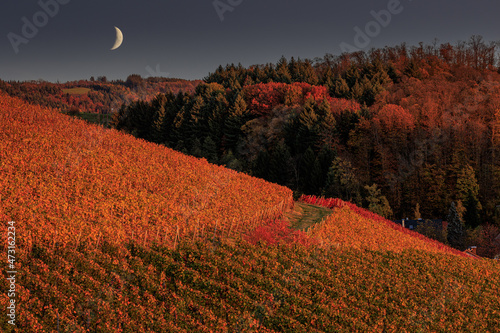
(305, 215)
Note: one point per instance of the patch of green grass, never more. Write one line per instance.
(95, 118)
(305, 215)
(76, 91)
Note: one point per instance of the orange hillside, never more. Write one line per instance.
(354, 227)
(65, 181)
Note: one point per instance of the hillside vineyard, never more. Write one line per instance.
(116, 234)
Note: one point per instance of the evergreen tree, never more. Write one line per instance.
(368, 92)
(231, 162)
(233, 123)
(471, 216)
(195, 124)
(416, 212)
(342, 181)
(352, 75)
(280, 165)
(270, 74)
(345, 123)
(306, 165)
(467, 184)
(325, 158)
(293, 69)
(377, 202)
(140, 116)
(179, 128)
(467, 192)
(308, 127)
(315, 177)
(196, 148)
(159, 125)
(327, 123)
(248, 81)
(432, 183)
(307, 73)
(282, 71)
(356, 92)
(328, 80)
(209, 150)
(261, 165)
(340, 89)
(456, 229)
(232, 82)
(160, 121)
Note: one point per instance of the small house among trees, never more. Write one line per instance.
(435, 229)
(414, 224)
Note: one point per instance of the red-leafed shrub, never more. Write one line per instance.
(278, 232)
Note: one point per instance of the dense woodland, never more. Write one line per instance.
(404, 130)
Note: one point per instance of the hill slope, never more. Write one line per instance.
(110, 238)
(354, 227)
(63, 177)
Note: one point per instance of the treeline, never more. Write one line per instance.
(361, 81)
(278, 132)
(392, 128)
(362, 76)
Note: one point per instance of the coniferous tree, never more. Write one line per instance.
(328, 79)
(209, 150)
(342, 181)
(471, 216)
(340, 89)
(282, 71)
(196, 148)
(467, 184)
(377, 202)
(315, 177)
(236, 119)
(456, 229)
(327, 123)
(306, 165)
(195, 127)
(160, 122)
(307, 73)
(280, 165)
(231, 162)
(325, 158)
(159, 125)
(261, 164)
(140, 119)
(308, 127)
(356, 92)
(179, 128)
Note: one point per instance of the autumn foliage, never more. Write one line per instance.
(70, 183)
(355, 227)
(279, 232)
(263, 97)
(94, 96)
(115, 234)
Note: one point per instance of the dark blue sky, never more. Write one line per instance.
(188, 39)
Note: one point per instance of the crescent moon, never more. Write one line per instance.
(119, 39)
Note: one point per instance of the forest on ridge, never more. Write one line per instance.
(406, 130)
